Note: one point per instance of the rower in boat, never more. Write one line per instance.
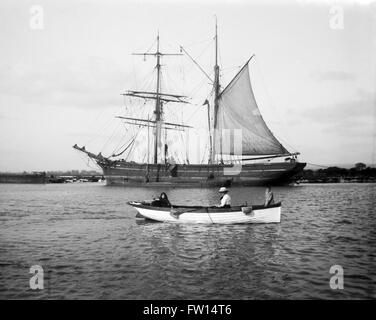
(162, 201)
(225, 199)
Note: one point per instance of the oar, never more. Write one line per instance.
(176, 213)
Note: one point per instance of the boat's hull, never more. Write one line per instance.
(209, 215)
(131, 174)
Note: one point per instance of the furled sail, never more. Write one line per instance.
(237, 109)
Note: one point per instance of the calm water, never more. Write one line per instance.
(91, 246)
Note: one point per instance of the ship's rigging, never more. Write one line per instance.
(159, 97)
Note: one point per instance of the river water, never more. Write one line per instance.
(90, 245)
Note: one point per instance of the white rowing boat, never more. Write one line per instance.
(197, 214)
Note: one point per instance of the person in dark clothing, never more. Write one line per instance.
(163, 200)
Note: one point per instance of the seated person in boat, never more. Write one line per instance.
(269, 198)
(225, 199)
(162, 201)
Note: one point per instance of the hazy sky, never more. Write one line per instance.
(61, 85)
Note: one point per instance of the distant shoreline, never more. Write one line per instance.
(334, 182)
(360, 173)
(43, 177)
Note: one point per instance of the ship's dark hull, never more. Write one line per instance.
(195, 175)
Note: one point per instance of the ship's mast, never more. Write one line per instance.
(216, 95)
(159, 97)
(157, 110)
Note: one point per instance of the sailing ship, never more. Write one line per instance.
(242, 149)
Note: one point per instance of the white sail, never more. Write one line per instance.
(237, 109)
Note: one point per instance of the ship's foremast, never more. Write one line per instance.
(159, 97)
(158, 107)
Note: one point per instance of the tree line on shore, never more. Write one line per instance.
(359, 173)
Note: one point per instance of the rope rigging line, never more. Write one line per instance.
(90, 124)
(148, 80)
(206, 48)
(116, 150)
(111, 137)
(199, 86)
(125, 149)
(171, 80)
(181, 138)
(118, 147)
(152, 45)
(99, 131)
(182, 74)
(130, 149)
(197, 57)
(132, 144)
(104, 126)
(206, 152)
(134, 73)
(87, 161)
(139, 49)
(198, 107)
(198, 42)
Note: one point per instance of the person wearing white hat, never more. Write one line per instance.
(225, 199)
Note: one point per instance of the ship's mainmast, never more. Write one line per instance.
(212, 125)
(216, 97)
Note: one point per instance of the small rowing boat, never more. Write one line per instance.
(209, 215)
